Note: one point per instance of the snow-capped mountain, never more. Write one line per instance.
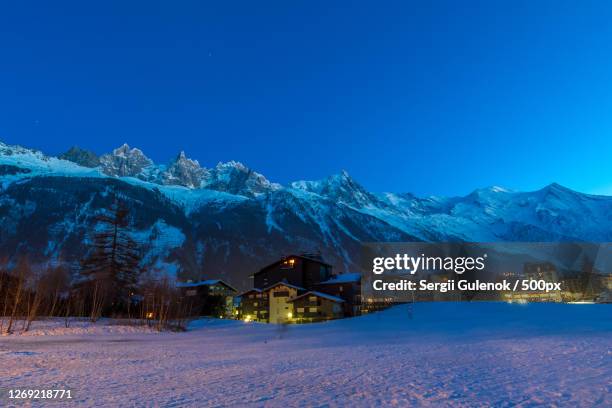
(184, 172)
(340, 188)
(228, 220)
(231, 177)
(235, 178)
(128, 162)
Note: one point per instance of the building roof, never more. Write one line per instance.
(343, 278)
(249, 291)
(319, 294)
(284, 284)
(308, 258)
(208, 282)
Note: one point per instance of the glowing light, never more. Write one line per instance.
(289, 315)
(149, 315)
(248, 318)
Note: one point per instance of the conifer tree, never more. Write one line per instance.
(111, 271)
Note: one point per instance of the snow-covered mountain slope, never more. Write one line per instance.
(229, 220)
(493, 214)
(235, 178)
(340, 188)
(28, 162)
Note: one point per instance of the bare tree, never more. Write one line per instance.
(74, 306)
(35, 299)
(162, 306)
(5, 280)
(20, 274)
(54, 284)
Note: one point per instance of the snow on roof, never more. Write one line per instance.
(208, 282)
(199, 283)
(319, 294)
(285, 284)
(344, 278)
(249, 291)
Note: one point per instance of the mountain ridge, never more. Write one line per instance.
(227, 220)
(73, 153)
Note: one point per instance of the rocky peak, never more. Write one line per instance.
(340, 188)
(184, 172)
(81, 157)
(126, 162)
(235, 178)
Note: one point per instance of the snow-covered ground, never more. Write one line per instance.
(446, 354)
(58, 327)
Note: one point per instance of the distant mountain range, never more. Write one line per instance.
(227, 221)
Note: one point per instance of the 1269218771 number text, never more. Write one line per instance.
(15, 394)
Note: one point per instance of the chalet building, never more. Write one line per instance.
(279, 301)
(279, 292)
(212, 297)
(300, 270)
(314, 306)
(253, 306)
(346, 286)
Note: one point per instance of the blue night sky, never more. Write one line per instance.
(427, 97)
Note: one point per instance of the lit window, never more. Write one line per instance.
(288, 263)
(312, 298)
(255, 304)
(312, 309)
(300, 310)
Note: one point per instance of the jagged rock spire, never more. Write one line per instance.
(126, 162)
(184, 172)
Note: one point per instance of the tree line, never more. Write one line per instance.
(110, 282)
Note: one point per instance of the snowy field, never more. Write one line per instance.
(486, 354)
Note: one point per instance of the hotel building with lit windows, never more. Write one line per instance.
(300, 289)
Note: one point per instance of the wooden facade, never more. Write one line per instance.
(314, 306)
(254, 306)
(212, 297)
(300, 289)
(346, 287)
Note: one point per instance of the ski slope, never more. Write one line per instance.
(437, 354)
